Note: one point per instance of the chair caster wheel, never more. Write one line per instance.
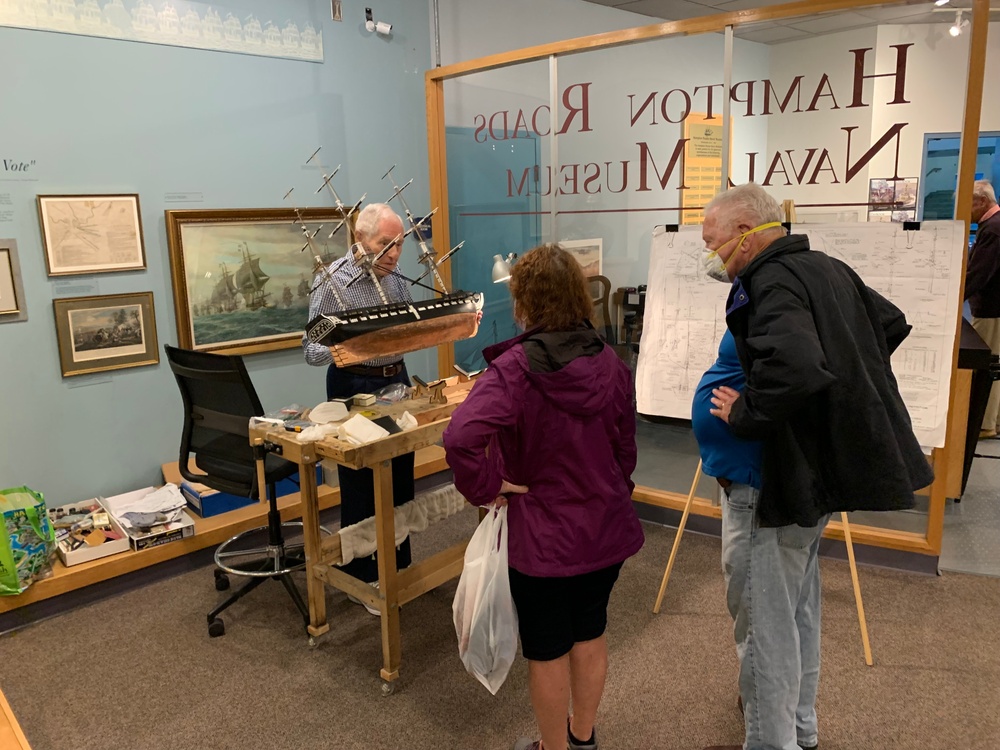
(221, 581)
(216, 628)
(388, 688)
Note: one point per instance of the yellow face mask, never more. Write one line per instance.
(715, 267)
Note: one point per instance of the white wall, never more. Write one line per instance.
(938, 70)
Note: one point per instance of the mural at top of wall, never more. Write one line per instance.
(172, 22)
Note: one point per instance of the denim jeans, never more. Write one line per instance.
(773, 595)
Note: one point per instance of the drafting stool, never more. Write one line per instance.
(219, 401)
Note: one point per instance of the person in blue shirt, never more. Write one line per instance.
(776, 605)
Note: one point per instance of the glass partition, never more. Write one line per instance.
(849, 100)
(845, 117)
(639, 148)
(497, 125)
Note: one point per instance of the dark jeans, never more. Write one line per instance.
(357, 486)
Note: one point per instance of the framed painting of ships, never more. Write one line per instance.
(241, 278)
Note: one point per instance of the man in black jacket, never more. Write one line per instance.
(982, 286)
(820, 395)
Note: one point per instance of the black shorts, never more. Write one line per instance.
(555, 613)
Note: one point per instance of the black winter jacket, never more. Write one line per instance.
(815, 344)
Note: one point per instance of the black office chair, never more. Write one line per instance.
(219, 401)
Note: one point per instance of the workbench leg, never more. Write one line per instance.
(385, 525)
(310, 532)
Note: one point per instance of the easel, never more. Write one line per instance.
(789, 209)
(850, 556)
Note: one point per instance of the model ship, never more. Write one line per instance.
(392, 328)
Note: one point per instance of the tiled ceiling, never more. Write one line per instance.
(774, 32)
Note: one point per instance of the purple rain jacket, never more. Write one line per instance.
(553, 411)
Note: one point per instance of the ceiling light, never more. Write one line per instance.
(939, 3)
(959, 25)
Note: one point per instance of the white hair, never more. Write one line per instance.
(372, 216)
(984, 189)
(749, 203)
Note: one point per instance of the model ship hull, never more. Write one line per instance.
(367, 333)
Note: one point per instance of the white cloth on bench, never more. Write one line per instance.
(358, 540)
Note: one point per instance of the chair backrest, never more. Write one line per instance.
(600, 292)
(219, 400)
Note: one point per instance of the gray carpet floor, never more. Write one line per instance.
(139, 670)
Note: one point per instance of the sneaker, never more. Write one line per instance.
(574, 744)
(372, 609)
(526, 743)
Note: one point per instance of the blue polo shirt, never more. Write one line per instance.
(723, 455)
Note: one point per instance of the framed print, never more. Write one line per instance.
(587, 254)
(105, 332)
(242, 277)
(892, 200)
(91, 233)
(12, 304)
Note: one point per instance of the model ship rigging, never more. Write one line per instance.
(361, 334)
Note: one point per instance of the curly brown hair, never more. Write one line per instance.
(550, 290)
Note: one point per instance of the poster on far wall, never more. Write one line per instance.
(892, 200)
(587, 254)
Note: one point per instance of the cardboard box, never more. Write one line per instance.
(87, 553)
(157, 535)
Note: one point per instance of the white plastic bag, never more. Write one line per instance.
(485, 619)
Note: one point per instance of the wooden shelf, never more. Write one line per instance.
(209, 532)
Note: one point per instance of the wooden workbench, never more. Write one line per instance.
(324, 555)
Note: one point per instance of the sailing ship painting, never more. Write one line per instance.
(247, 282)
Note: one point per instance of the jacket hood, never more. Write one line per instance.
(574, 370)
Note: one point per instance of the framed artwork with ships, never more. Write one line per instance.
(241, 278)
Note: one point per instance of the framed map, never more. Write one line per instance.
(91, 233)
(106, 332)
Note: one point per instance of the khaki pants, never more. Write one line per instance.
(989, 331)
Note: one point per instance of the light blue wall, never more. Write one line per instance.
(100, 115)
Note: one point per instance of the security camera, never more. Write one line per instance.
(379, 27)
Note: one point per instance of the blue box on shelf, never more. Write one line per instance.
(207, 502)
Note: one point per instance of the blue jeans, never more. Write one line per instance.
(773, 595)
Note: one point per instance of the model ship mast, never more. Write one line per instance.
(417, 227)
(360, 334)
(320, 267)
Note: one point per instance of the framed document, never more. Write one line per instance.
(91, 233)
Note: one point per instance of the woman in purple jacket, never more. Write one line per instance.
(551, 425)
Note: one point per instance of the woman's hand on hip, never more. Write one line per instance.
(506, 488)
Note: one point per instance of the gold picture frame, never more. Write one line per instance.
(105, 332)
(13, 308)
(241, 277)
(84, 234)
